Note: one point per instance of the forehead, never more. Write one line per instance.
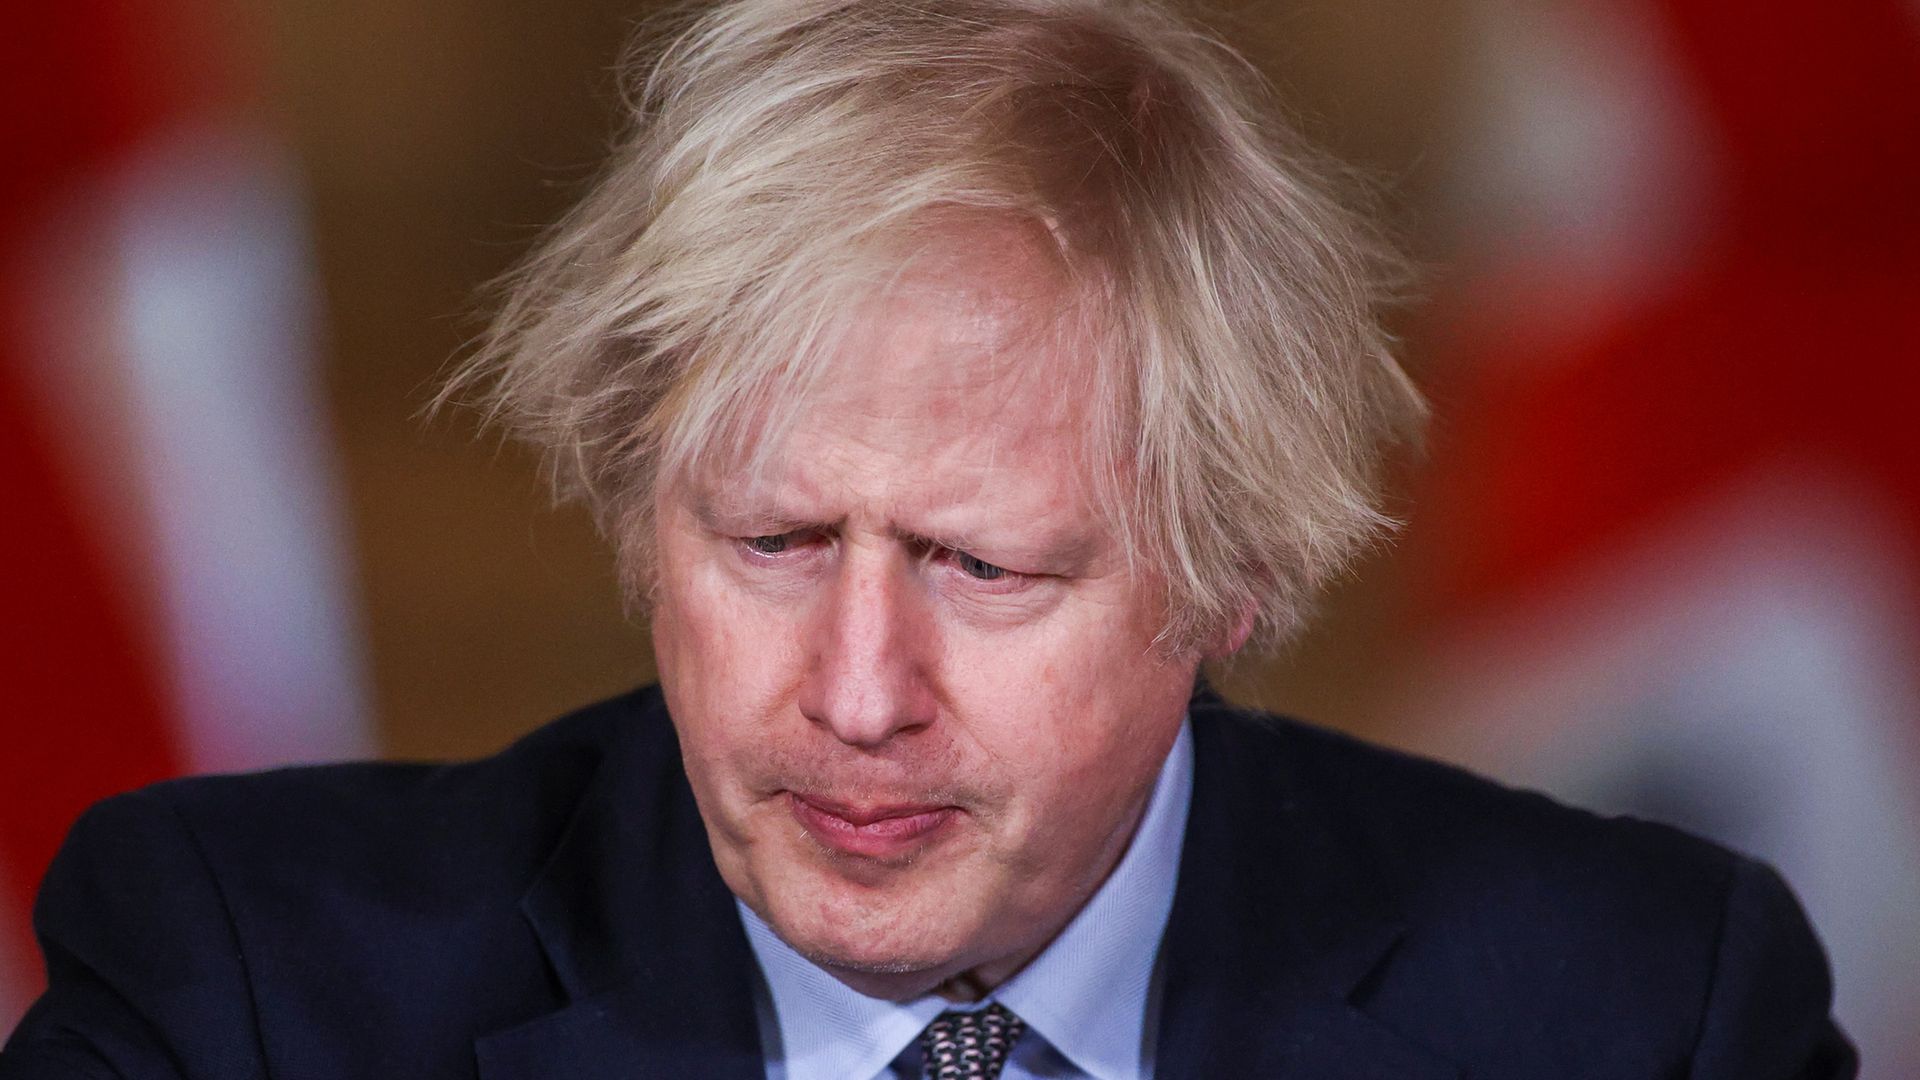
(973, 320)
(993, 351)
(963, 381)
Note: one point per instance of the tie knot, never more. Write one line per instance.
(970, 1045)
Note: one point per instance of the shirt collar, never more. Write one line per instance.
(1086, 994)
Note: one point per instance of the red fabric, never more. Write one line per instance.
(1794, 337)
(85, 715)
(82, 82)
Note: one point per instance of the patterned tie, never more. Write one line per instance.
(970, 1045)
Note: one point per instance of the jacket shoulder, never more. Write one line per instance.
(359, 919)
(1429, 825)
(1636, 945)
(472, 828)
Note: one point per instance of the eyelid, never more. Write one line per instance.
(1009, 581)
(983, 561)
(796, 536)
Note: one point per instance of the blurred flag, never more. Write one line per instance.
(174, 590)
(1672, 538)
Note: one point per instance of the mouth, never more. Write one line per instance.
(873, 830)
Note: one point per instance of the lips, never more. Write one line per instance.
(874, 831)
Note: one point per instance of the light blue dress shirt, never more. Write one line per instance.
(1086, 999)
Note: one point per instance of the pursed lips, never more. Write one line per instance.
(871, 830)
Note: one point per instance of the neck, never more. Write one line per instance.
(968, 986)
(964, 985)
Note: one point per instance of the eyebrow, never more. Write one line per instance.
(1059, 551)
(715, 514)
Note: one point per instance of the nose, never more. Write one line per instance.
(867, 678)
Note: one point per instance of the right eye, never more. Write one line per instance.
(783, 546)
(769, 545)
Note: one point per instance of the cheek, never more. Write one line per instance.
(708, 632)
(1079, 713)
(722, 669)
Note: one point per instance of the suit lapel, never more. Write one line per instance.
(1276, 922)
(641, 934)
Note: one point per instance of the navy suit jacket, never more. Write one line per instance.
(554, 912)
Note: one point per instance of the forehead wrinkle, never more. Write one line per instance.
(816, 476)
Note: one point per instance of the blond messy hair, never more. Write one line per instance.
(779, 157)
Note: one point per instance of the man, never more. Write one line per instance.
(955, 377)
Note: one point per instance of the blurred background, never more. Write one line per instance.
(1662, 556)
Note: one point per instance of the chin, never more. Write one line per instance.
(836, 958)
(868, 935)
(876, 969)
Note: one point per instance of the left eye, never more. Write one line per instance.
(978, 568)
